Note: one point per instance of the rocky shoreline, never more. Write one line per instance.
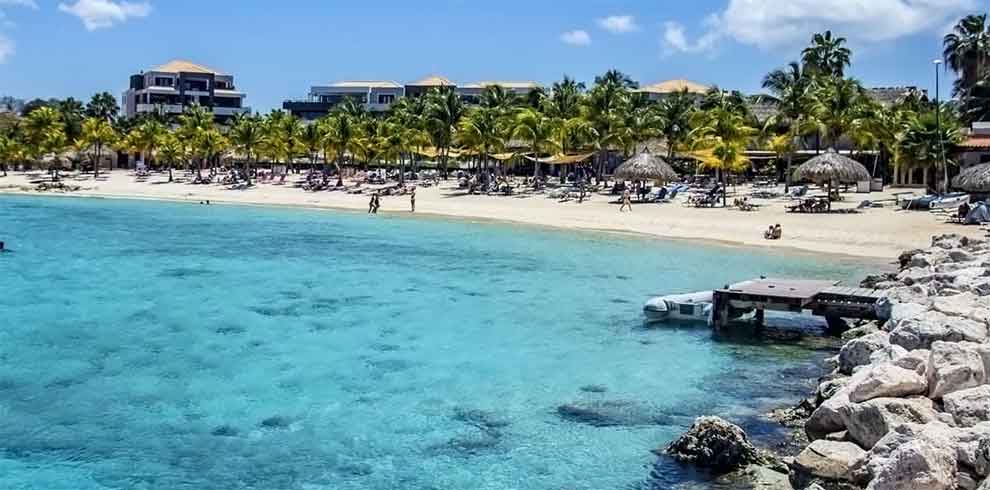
(906, 402)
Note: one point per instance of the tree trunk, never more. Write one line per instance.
(787, 174)
(170, 173)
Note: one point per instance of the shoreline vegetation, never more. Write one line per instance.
(869, 234)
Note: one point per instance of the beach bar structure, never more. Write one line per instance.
(822, 298)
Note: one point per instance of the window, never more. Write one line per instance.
(163, 82)
(687, 310)
(386, 98)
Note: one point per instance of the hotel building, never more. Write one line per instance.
(172, 87)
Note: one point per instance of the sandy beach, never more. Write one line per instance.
(872, 233)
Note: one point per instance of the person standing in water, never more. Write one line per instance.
(412, 200)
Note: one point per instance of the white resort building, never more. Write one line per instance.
(172, 87)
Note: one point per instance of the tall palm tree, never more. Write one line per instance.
(246, 136)
(836, 106)
(534, 127)
(11, 150)
(193, 124)
(445, 109)
(45, 135)
(73, 113)
(827, 55)
(311, 139)
(675, 113)
(967, 50)
(791, 89)
(496, 97)
(925, 140)
(97, 134)
(103, 106)
(720, 136)
(146, 137)
(170, 151)
(483, 131)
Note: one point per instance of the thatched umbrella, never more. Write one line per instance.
(832, 167)
(974, 179)
(646, 166)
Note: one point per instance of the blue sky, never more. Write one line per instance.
(276, 50)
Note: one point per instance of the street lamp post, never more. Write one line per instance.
(938, 130)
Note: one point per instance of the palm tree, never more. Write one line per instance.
(170, 151)
(836, 106)
(967, 49)
(534, 127)
(311, 139)
(103, 106)
(720, 137)
(675, 113)
(45, 135)
(97, 134)
(496, 97)
(827, 55)
(193, 124)
(73, 113)
(924, 141)
(339, 134)
(791, 89)
(483, 131)
(145, 138)
(11, 150)
(445, 109)
(246, 136)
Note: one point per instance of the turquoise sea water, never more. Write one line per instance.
(172, 346)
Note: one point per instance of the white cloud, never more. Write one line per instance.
(676, 41)
(576, 38)
(7, 44)
(770, 24)
(619, 24)
(100, 14)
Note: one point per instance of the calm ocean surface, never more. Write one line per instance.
(172, 346)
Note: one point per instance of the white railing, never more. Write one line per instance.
(165, 108)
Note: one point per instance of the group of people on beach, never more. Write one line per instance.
(376, 202)
(774, 232)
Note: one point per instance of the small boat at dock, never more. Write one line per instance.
(687, 307)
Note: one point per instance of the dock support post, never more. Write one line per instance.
(761, 317)
(721, 314)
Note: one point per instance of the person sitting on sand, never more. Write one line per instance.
(774, 232)
(964, 210)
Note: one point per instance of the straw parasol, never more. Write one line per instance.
(646, 166)
(974, 179)
(832, 167)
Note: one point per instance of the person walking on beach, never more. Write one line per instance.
(412, 200)
(371, 204)
(626, 201)
(375, 203)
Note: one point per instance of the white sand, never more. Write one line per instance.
(874, 233)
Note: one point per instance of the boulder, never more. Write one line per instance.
(902, 311)
(949, 241)
(954, 366)
(830, 364)
(916, 360)
(870, 421)
(827, 418)
(906, 257)
(860, 331)
(966, 305)
(857, 352)
(915, 276)
(918, 464)
(886, 381)
(922, 330)
(829, 459)
(887, 354)
(828, 389)
(970, 406)
(715, 444)
(917, 293)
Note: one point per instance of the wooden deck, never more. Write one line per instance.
(822, 298)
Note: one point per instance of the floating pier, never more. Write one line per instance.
(822, 298)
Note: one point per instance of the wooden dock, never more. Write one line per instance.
(822, 298)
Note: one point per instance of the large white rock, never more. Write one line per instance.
(917, 293)
(887, 354)
(916, 360)
(857, 352)
(966, 305)
(970, 406)
(827, 418)
(886, 381)
(954, 366)
(916, 275)
(902, 311)
(918, 464)
(931, 326)
(830, 459)
(870, 421)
